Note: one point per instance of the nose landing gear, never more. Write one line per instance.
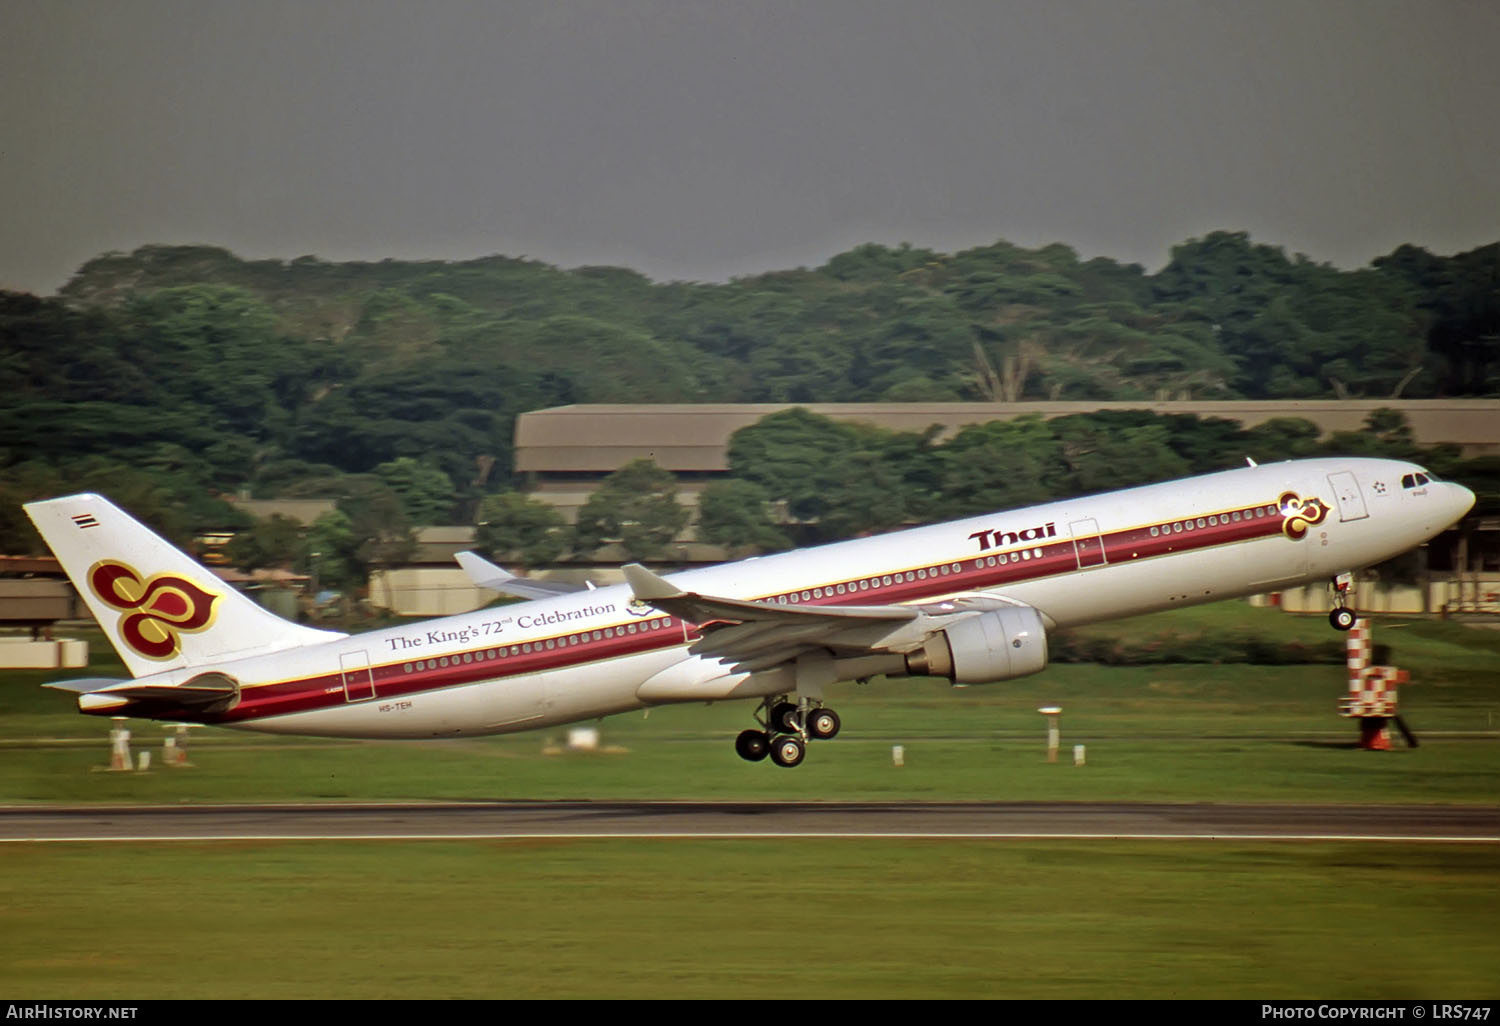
(1342, 618)
(787, 727)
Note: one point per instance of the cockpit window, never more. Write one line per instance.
(1415, 480)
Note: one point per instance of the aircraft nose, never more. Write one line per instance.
(1463, 500)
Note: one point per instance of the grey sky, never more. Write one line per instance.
(700, 140)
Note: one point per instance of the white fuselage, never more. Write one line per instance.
(595, 653)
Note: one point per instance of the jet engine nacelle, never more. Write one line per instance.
(997, 645)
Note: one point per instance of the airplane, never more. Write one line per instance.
(970, 600)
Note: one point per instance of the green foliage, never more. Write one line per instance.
(737, 515)
(170, 374)
(333, 553)
(1297, 328)
(368, 531)
(255, 364)
(378, 524)
(512, 524)
(425, 492)
(1173, 647)
(835, 479)
(636, 507)
(1459, 298)
(999, 465)
(1104, 451)
(276, 541)
(1282, 438)
(838, 478)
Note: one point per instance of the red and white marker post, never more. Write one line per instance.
(1372, 692)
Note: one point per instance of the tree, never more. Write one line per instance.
(378, 523)
(839, 479)
(213, 348)
(1105, 451)
(636, 507)
(1460, 296)
(1282, 438)
(999, 465)
(512, 524)
(333, 552)
(425, 492)
(276, 541)
(737, 515)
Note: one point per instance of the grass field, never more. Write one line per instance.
(783, 919)
(749, 919)
(1169, 732)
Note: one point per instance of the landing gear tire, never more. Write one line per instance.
(788, 750)
(752, 745)
(783, 718)
(1342, 619)
(822, 724)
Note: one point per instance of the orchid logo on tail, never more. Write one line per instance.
(158, 609)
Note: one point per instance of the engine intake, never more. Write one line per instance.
(997, 645)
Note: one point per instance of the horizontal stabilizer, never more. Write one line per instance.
(206, 690)
(84, 685)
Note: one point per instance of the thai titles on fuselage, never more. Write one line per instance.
(998, 539)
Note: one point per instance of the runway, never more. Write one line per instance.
(738, 819)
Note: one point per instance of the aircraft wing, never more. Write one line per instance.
(487, 575)
(754, 636)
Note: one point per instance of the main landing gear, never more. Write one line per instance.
(1342, 618)
(788, 727)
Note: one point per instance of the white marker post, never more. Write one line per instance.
(174, 748)
(119, 745)
(1054, 733)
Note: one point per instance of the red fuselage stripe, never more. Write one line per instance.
(1047, 558)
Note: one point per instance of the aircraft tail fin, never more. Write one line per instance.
(159, 608)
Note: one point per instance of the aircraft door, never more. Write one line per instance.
(359, 683)
(1087, 544)
(1350, 499)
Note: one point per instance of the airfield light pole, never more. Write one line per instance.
(1053, 714)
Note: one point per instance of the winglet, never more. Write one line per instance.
(481, 571)
(648, 587)
(496, 578)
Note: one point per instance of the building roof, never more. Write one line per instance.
(304, 511)
(694, 437)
